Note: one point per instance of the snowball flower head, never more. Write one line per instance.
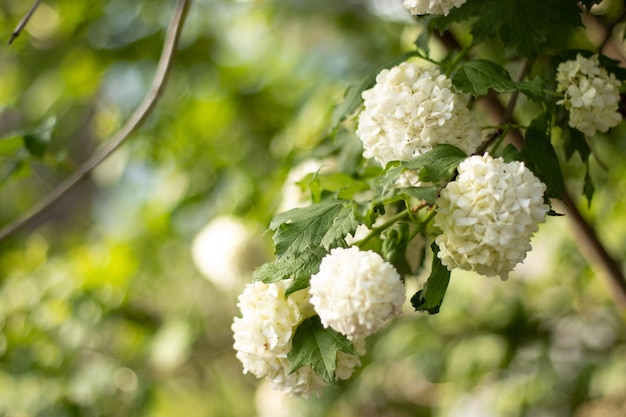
(409, 111)
(355, 292)
(420, 7)
(488, 214)
(225, 251)
(263, 338)
(591, 95)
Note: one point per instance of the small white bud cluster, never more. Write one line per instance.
(591, 95)
(421, 7)
(488, 214)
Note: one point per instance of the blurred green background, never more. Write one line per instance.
(119, 302)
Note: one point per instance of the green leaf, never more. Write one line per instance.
(342, 185)
(14, 170)
(541, 158)
(300, 268)
(394, 247)
(431, 296)
(575, 141)
(523, 26)
(11, 145)
(427, 194)
(478, 76)
(38, 141)
(437, 164)
(588, 187)
(510, 153)
(318, 347)
(343, 224)
(433, 166)
(300, 229)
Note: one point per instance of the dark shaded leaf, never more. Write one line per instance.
(541, 158)
(38, 140)
(478, 76)
(431, 296)
(522, 26)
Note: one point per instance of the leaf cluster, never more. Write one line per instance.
(525, 27)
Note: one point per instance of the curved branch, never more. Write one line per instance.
(20, 26)
(140, 114)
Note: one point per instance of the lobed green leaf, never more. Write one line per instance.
(317, 346)
(299, 268)
(344, 223)
(301, 229)
(478, 76)
(437, 164)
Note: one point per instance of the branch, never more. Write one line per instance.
(20, 26)
(140, 114)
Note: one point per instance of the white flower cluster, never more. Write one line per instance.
(488, 215)
(409, 111)
(420, 7)
(263, 337)
(355, 292)
(591, 94)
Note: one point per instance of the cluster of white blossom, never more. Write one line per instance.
(591, 95)
(488, 214)
(263, 338)
(409, 111)
(421, 7)
(355, 292)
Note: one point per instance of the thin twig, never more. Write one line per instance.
(136, 119)
(20, 26)
(506, 115)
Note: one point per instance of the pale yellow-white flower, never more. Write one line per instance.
(355, 292)
(409, 111)
(488, 214)
(591, 95)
